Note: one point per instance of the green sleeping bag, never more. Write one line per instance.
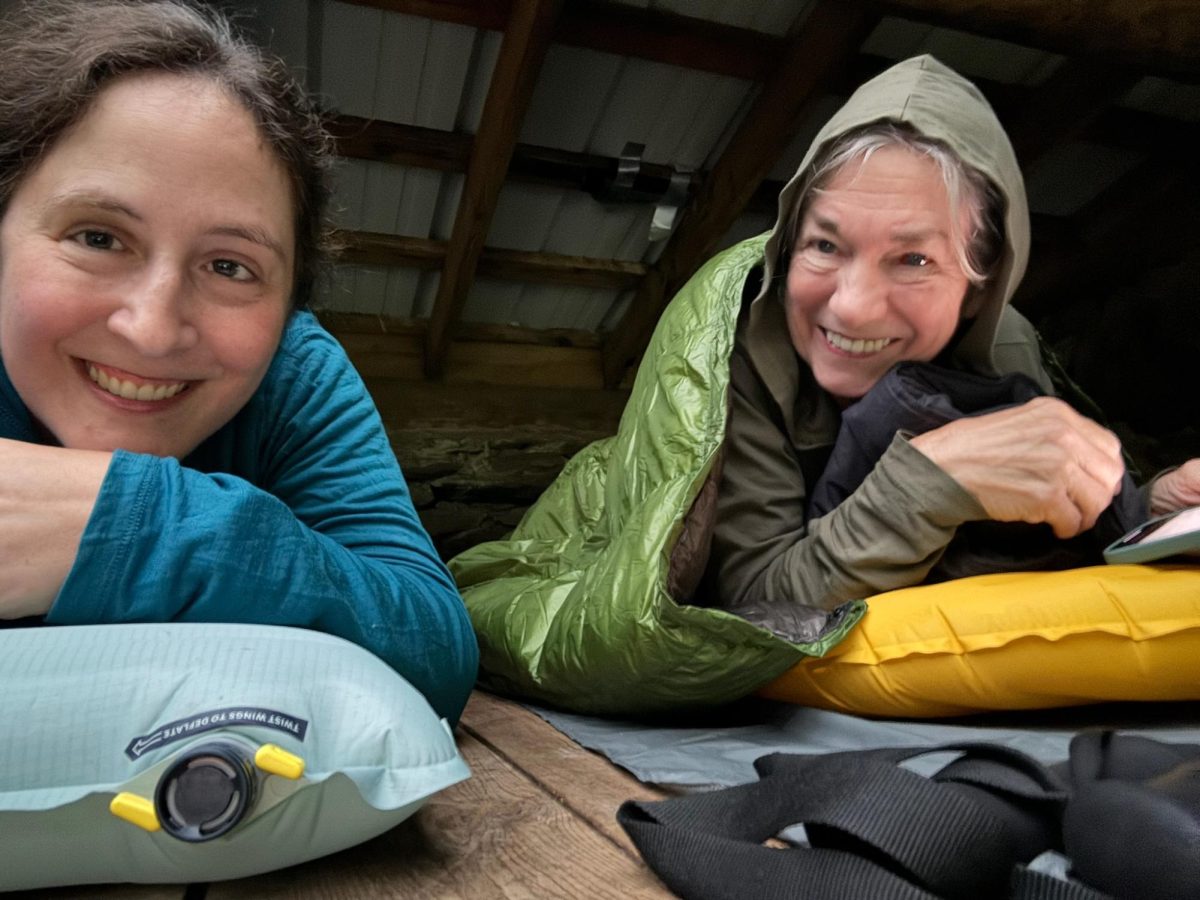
(576, 609)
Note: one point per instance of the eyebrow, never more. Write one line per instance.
(826, 224)
(910, 236)
(90, 200)
(254, 235)
(107, 204)
(918, 235)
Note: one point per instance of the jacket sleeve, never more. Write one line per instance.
(327, 540)
(887, 534)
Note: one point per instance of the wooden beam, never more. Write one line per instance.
(429, 148)
(1159, 36)
(400, 355)
(370, 248)
(552, 268)
(677, 40)
(830, 34)
(493, 15)
(404, 145)
(449, 151)
(374, 249)
(343, 323)
(521, 54)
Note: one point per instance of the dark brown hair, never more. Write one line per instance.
(56, 55)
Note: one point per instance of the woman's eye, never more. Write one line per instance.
(914, 259)
(823, 246)
(235, 271)
(97, 240)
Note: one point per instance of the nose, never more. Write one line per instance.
(860, 295)
(153, 313)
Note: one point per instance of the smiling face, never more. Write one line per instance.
(874, 279)
(145, 268)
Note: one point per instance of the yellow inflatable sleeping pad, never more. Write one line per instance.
(1028, 640)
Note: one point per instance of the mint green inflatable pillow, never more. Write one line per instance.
(178, 753)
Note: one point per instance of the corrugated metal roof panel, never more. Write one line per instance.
(416, 71)
(1166, 98)
(586, 101)
(1068, 175)
(390, 66)
(537, 305)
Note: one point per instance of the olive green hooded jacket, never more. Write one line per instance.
(584, 607)
(769, 563)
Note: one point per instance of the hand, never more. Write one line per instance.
(1178, 489)
(46, 497)
(1038, 462)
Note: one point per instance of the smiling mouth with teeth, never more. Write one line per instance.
(127, 390)
(855, 345)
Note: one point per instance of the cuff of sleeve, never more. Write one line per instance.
(928, 485)
(895, 526)
(91, 593)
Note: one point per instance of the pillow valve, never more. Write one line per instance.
(208, 789)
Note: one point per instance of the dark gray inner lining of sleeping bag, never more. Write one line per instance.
(718, 747)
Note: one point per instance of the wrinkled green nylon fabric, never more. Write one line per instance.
(572, 610)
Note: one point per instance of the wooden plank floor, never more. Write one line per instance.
(535, 820)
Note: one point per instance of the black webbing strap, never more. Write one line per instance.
(1098, 755)
(1133, 825)
(877, 830)
(699, 865)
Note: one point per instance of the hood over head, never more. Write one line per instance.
(927, 96)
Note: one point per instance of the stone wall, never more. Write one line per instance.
(472, 485)
(476, 458)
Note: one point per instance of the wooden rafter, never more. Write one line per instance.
(449, 151)
(375, 249)
(521, 53)
(401, 144)
(480, 354)
(1156, 36)
(831, 32)
(491, 14)
(670, 38)
(468, 332)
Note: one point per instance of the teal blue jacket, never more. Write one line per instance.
(294, 513)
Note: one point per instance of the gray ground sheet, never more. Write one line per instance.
(718, 747)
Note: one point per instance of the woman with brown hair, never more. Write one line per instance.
(179, 440)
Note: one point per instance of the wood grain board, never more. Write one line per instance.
(535, 820)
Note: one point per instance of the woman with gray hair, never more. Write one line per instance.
(901, 239)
